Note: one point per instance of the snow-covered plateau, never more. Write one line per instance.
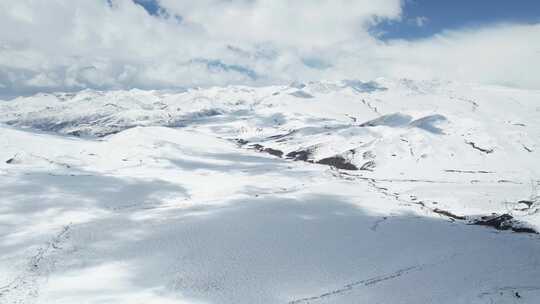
(389, 191)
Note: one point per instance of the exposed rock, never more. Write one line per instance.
(75, 133)
(302, 155)
(271, 151)
(368, 166)
(111, 132)
(354, 119)
(503, 222)
(484, 150)
(526, 202)
(257, 147)
(448, 214)
(368, 155)
(338, 162)
(370, 106)
(274, 152)
(241, 142)
(280, 136)
(13, 159)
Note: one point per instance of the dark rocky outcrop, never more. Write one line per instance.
(258, 147)
(483, 150)
(302, 155)
(449, 214)
(368, 166)
(274, 152)
(338, 162)
(270, 151)
(241, 141)
(75, 133)
(529, 203)
(503, 222)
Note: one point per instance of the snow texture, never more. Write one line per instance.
(389, 191)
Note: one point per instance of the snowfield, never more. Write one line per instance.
(389, 191)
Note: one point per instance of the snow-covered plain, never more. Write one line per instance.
(324, 192)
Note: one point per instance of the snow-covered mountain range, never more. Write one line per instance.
(388, 191)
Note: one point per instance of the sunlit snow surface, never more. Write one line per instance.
(182, 197)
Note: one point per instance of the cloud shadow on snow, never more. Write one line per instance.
(274, 249)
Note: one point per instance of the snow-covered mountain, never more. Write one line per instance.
(320, 192)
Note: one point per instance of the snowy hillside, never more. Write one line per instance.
(389, 191)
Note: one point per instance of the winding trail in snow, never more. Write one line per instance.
(25, 287)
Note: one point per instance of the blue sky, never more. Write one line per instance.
(151, 6)
(440, 15)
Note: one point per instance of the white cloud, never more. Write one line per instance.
(420, 21)
(67, 45)
(504, 54)
(300, 23)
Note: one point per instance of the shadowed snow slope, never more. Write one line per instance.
(321, 192)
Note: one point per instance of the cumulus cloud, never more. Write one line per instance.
(301, 23)
(111, 44)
